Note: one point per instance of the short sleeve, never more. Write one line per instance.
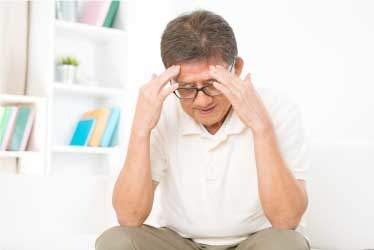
(292, 140)
(157, 155)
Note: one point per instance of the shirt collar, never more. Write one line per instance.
(232, 125)
(188, 125)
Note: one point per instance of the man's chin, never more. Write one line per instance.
(207, 121)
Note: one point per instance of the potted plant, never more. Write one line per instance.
(67, 69)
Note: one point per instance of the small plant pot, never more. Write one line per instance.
(67, 73)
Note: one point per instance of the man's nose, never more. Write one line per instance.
(202, 100)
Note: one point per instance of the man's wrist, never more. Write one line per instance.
(264, 131)
(140, 131)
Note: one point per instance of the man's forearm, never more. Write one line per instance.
(134, 189)
(282, 198)
(133, 192)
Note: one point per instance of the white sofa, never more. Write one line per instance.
(341, 208)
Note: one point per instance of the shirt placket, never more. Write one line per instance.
(212, 171)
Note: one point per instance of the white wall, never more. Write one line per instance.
(13, 46)
(145, 27)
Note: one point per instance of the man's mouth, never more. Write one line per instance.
(206, 111)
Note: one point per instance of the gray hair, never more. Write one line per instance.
(198, 35)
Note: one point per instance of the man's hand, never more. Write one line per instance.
(243, 97)
(151, 98)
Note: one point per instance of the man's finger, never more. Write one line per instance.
(224, 79)
(225, 90)
(167, 75)
(165, 91)
(248, 78)
(248, 81)
(222, 75)
(230, 75)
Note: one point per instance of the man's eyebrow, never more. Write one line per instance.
(194, 83)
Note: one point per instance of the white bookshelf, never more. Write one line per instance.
(101, 82)
(86, 150)
(18, 154)
(35, 150)
(90, 32)
(88, 90)
(19, 99)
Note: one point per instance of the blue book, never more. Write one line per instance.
(111, 126)
(82, 132)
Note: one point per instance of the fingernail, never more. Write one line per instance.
(212, 67)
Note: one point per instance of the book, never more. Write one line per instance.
(82, 132)
(28, 128)
(112, 12)
(23, 123)
(101, 116)
(2, 112)
(95, 12)
(7, 125)
(2, 109)
(111, 126)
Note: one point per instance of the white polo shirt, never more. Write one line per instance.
(208, 183)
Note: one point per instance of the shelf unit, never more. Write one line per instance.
(88, 90)
(91, 32)
(101, 82)
(35, 150)
(85, 150)
(18, 154)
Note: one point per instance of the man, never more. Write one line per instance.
(230, 160)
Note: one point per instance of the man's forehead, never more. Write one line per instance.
(196, 71)
(193, 76)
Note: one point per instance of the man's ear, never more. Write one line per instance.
(238, 66)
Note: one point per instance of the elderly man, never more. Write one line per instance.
(230, 160)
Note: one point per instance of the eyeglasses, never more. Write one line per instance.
(190, 93)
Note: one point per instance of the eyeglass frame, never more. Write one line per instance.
(199, 89)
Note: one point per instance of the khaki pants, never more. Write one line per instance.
(151, 238)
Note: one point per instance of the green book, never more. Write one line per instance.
(7, 125)
(4, 117)
(109, 20)
(1, 112)
(21, 124)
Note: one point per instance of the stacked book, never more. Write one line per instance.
(96, 128)
(15, 127)
(100, 13)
